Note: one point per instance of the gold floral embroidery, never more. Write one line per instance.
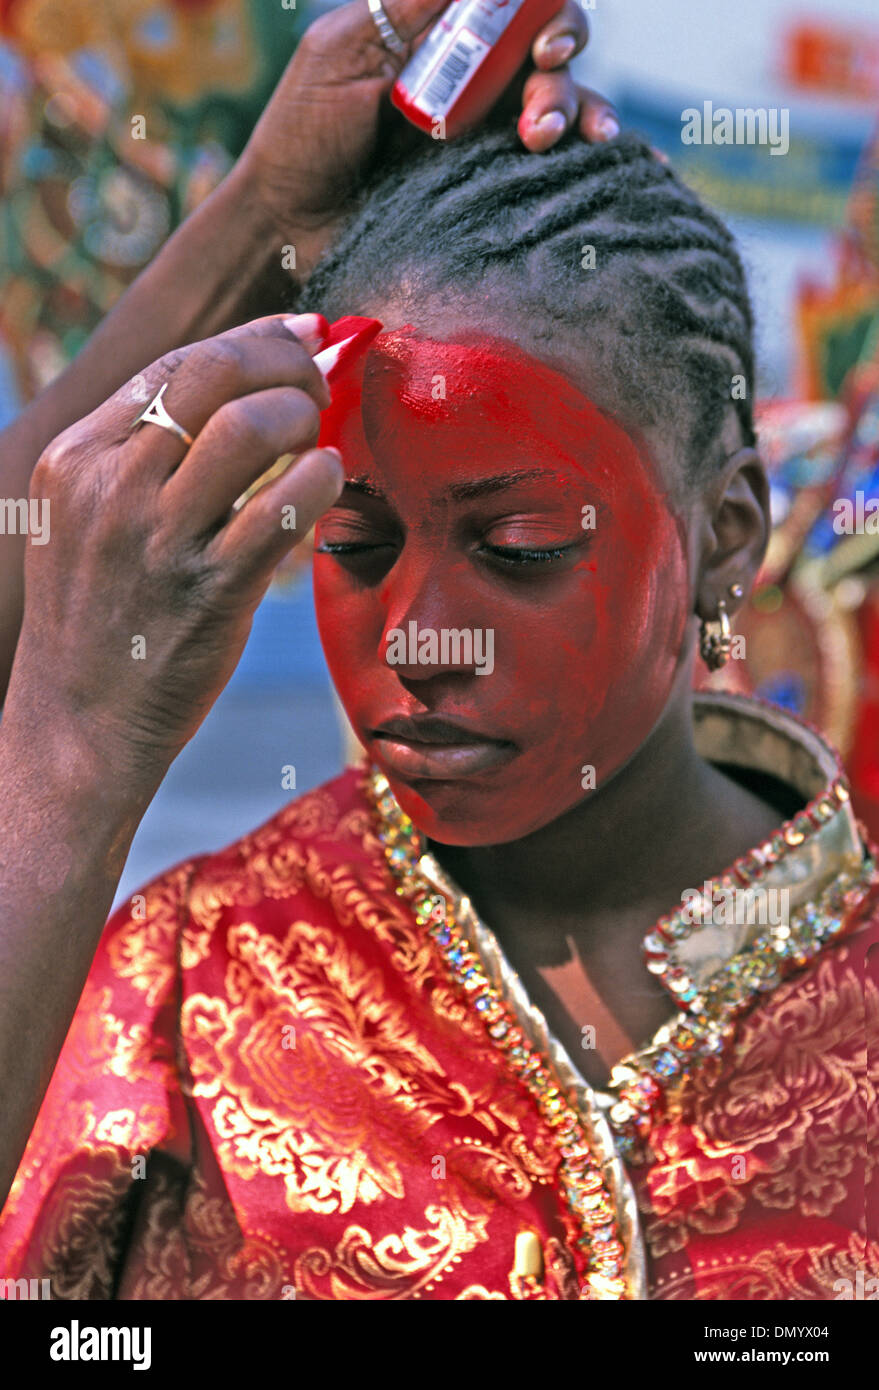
(325, 1118)
(281, 873)
(856, 1265)
(376, 910)
(189, 1244)
(214, 889)
(269, 1111)
(81, 1227)
(762, 1276)
(783, 1271)
(99, 1043)
(396, 1266)
(508, 1169)
(312, 815)
(144, 949)
(792, 1108)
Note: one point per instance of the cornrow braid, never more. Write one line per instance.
(666, 300)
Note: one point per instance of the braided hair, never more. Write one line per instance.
(482, 219)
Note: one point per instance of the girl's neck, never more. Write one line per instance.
(666, 822)
(571, 903)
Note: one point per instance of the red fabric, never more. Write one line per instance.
(270, 1090)
(864, 756)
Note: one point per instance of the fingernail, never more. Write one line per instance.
(560, 49)
(608, 126)
(310, 329)
(552, 123)
(331, 449)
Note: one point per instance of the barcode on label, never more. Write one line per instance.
(448, 80)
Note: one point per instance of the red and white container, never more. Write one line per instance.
(468, 58)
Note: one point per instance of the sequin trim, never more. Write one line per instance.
(589, 1212)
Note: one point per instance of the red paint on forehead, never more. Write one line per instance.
(485, 386)
(473, 384)
(584, 664)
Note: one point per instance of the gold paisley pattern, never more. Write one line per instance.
(784, 1271)
(397, 1266)
(193, 1247)
(289, 1112)
(99, 1043)
(143, 950)
(784, 1126)
(270, 1091)
(82, 1226)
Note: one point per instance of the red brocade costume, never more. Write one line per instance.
(274, 1088)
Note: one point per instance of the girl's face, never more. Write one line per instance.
(501, 589)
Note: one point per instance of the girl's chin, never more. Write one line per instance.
(470, 814)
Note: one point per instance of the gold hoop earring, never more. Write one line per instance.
(715, 639)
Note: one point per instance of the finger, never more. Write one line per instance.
(204, 376)
(598, 121)
(566, 34)
(240, 442)
(549, 108)
(309, 329)
(258, 537)
(350, 30)
(408, 18)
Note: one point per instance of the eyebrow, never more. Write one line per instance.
(477, 487)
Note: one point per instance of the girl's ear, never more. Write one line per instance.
(735, 534)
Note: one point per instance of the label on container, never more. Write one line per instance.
(438, 73)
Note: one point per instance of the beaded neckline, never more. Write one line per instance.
(590, 1211)
(597, 1198)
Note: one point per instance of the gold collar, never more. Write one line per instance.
(713, 973)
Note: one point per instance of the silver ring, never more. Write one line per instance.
(387, 33)
(156, 414)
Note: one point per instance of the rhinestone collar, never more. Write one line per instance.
(713, 974)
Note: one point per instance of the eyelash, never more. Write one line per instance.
(511, 555)
(345, 547)
(508, 555)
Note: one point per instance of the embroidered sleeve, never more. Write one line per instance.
(113, 1107)
(767, 1188)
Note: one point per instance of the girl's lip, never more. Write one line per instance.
(441, 761)
(431, 729)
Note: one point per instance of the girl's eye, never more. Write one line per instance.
(347, 547)
(516, 555)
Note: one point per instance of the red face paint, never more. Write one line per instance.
(509, 504)
(343, 341)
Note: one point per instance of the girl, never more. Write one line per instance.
(443, 1027)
